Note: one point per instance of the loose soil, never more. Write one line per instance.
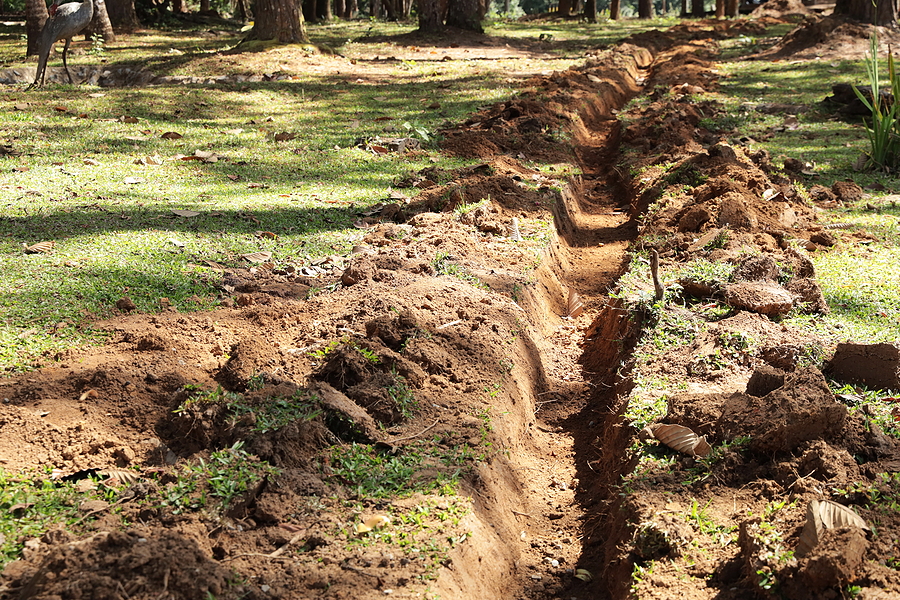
(473, 307)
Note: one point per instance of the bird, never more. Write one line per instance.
(64, 22)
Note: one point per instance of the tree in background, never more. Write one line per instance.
(280, 20)
(876, 12)
(35, 17)
(122, 14)
(100, 26)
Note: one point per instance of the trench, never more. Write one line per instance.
(594, 224)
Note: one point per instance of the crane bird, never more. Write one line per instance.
(64, 22)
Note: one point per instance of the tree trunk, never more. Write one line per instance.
(684, 6)
(35, 17)
(241, 10)
(697, 8)
(732, 8)
(565, 8)
(279, 20)
(590, 11)
(466, 14)
(122, 14)
(720, 9)
(308, 10)
(645, 9)
(375, 9)
(405, 9)
(323, 10)
(885, 13)
(204, 7)
(431, 16)
(390, 9)
(100, 24)
(340, 9)
(614, 9)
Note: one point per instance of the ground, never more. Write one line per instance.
(471, 340)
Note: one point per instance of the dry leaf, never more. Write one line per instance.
(127, 119)
(284, 136)
(256, 185)
(121, 475)
(88, 394)
(91, 162)
(583, 574)
(574, 304)
(378, 149)
(681, 439)
(96, 95)
(175, 242)
(40, 247)
(185, 213)
(266, 234)
(133, 180)
(825, 514)
(374, 522)
(208, 157)
(233, 177)
(22, 169)
(22, 106)
(149, 161)
(257, 257)
(60, 109)
(171, 135)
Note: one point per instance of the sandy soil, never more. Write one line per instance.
(509, 375)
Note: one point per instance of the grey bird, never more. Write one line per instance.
(64, 22)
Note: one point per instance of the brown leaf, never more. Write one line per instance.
(433, 106)
(373, 522)
(171, 135)
(127, 119)
(185, 213)
(681, 439)
(22, 106)
(149, 161)
(122, 475)
(378, 149)
(256, 185)
(208, 157)
(91, 162)
(88, 394)
(60, 109)
(40, 247)
(257, 257)
(574, 304)
(266, 234)
(825, 514)
(213, 265)
(291, 527)
(22, 169)
(284, 136)
(384, 118)
(233, 177)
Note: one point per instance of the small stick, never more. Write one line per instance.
(276, 554)
(415, 435)
(654, 271)
(515, 512)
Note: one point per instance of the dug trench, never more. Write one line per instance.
(443, 412)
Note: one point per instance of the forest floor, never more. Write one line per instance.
(447, 414)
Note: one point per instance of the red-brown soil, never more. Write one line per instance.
(497, 367)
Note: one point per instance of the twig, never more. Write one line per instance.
(275, 554)
(515, 512)
(415, 435)
(654, 272)
(446, 325)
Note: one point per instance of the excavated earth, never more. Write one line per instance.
(480, 341)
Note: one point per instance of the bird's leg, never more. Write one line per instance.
(65, 66)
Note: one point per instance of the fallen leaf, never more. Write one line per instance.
(60, 109)
(149, 161)
(171, 135)
(22, 169)
(256, 185)
(96, 95)
(40, 247)
(384, 118)
(136, 138)
(233, 177)
(127, 119)
(378, 149)
(91, 162)
(825, 514)
(266, 234)
(88, 394)
(213, 265)
(185, 213)
(257, 257)
(22, 106)
(374, 522)
(284, 136)
(133, 180)
(175, 242)
(682, 439)
(208, 157)
(237, 131)
(574, 305)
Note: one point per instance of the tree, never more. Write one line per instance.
(732, 8)
(122, 15)
(615, 7)
(100, 24)
(590, 11)
(35, 17)
(697, 8)
(279, 20)
(431, 15)
(645, 9)
(876, 12)
(466, 14)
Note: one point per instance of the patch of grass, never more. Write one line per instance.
(878, 405)
(444, 264)
(212, 485)
(403, 397)
(269, 415)
(29, 508)
(370, 473)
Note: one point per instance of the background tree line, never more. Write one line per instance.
(284, 20)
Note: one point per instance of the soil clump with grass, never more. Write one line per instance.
(450, 410)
